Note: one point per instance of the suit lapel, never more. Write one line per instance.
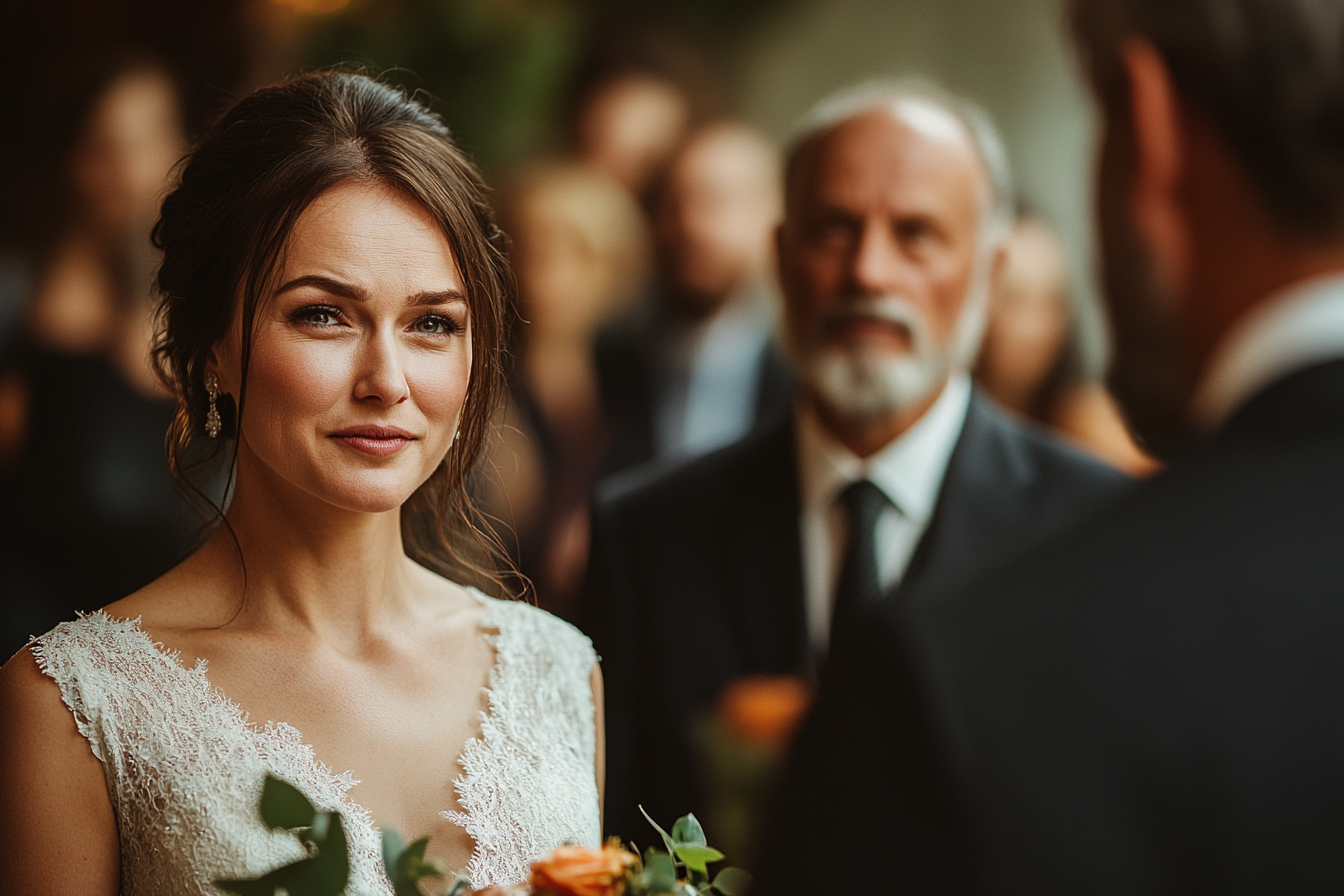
(761, 555)
(974, 515)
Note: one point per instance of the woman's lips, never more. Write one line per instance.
(379, 441)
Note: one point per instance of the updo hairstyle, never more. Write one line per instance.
(223, 232)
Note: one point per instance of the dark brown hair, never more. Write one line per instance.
(223, 231)
(1267, 74)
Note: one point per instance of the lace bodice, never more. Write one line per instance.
(185, 767)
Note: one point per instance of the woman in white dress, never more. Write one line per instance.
(333, 295)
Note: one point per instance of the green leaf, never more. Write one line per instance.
(405, 865)
(698, 858)
(660, 874)
(732, 882)
(324, 874)
(460, 886)
(667, 839)
(282, 806)
(688, 832)
(393, 847)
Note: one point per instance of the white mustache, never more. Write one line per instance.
(888, 309)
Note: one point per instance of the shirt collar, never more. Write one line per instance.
(1300, 326)
(909, 470)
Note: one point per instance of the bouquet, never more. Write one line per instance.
(610, 870)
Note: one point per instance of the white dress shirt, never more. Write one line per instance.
(909, 471)
(1301, 326)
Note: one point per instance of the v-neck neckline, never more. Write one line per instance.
(274, 738)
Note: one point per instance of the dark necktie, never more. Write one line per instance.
(859, 587)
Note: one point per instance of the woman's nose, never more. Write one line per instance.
(381, 374)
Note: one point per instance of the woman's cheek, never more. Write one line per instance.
(300, 375)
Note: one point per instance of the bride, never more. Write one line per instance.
(333, 294)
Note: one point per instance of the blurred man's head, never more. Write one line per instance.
(896, 202)
(629, 127)
(714, 215)
(1221, 176)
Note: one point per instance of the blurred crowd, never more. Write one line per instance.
(646, 334)
(727, 434)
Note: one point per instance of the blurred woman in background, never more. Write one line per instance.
(580, 254)
(82, 416)
(1029, 358)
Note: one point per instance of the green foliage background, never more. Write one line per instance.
(501, 72)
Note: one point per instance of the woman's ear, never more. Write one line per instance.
(222, 363)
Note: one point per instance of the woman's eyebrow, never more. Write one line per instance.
(326, 284)
(441, 297)
(359, 294)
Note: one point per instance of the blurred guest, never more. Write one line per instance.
(1151, 705)
(890, 475)
(699, 369)
(630, 125)
(91, 510)
(1029, 362)
(580, 248)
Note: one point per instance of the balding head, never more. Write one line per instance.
(892, 233)
(938, 114)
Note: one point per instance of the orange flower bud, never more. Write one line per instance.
(764, 710)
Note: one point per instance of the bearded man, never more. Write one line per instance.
(1152, 704)
(890, 475)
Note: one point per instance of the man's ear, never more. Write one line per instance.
(1155, 203)
(998, 264)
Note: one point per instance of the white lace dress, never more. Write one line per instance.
(185, 768)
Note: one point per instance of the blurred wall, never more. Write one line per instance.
(1011, 56)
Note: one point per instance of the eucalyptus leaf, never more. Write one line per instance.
(393, 846)
(325, 874)
(282, 806)
(732, 881)
(688, 832)
(667, 839)
(660, 874)
(698, 857)
(322, 874)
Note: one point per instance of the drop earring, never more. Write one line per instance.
(212, 421)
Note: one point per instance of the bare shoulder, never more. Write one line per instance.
(29, 694)
(58, 826)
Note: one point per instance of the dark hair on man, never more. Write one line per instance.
(1268, 75)
(223, 231)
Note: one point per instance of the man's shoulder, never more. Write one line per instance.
(723, 476)
(1008, 452)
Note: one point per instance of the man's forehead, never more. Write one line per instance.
(908, 143)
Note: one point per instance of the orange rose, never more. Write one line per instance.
(581, 871)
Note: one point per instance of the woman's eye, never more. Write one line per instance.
(318, 316)
(436, 325)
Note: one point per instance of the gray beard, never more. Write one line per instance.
(868, 386)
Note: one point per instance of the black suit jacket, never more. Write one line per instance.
(695, 579)
(1154, 704)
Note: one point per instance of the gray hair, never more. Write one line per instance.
(850, 102)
